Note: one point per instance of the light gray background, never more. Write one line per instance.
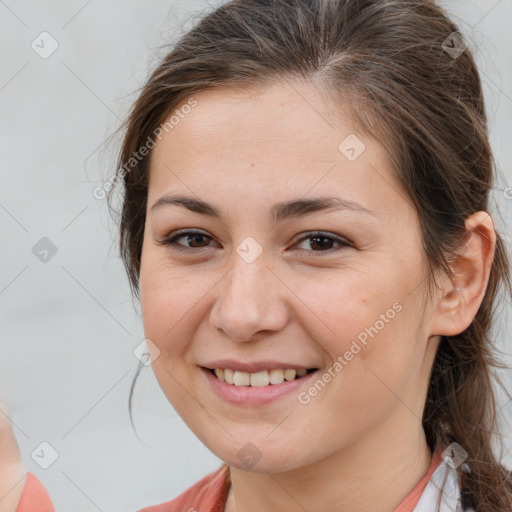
(69, 326)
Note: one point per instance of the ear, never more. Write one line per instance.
(463, 295)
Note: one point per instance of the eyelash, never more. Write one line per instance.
(171, 241)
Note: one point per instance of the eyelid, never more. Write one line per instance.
(168, 240)
(326, 234)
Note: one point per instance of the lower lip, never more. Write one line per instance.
(257, 395)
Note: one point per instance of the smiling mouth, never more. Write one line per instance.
(259, 379)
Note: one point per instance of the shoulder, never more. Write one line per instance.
(208, 494)
(34, 497)
(443, 488)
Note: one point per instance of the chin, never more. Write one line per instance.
(256, 458)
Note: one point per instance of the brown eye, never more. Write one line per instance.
(323, 242)
(195, 238)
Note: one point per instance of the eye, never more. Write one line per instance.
(171, 241)
(324, 241)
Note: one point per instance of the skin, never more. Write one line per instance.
(12, 470)
(359, 444)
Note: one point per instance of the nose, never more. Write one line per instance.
(250, 301)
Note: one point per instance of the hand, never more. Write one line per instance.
(12, 470)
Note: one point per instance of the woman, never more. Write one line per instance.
(305, 221)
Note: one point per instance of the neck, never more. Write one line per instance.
(375, 473)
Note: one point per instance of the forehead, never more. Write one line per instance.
(284, 136)
(280, 118)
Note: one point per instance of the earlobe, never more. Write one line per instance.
(463, 295)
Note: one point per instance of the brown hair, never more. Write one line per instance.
(390, 60)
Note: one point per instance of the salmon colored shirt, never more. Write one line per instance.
(34, 498)
(207, 495)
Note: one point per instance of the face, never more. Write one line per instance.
(257, 287)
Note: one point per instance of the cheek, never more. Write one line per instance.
(170, 312)
(351, 307)
(367, 330)
(168, 300)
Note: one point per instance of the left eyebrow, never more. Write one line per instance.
(279, 211)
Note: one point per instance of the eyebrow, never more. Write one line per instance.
(279, 211)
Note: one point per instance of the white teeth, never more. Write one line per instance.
(258, 379)
(276, 376)
(241, 379)
(228, 376)
(290, 374)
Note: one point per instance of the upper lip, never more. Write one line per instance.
(254, 366)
